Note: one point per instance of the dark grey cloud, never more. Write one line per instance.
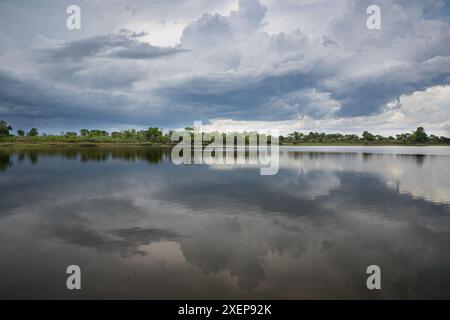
(113, 45)
(133, 34)
(226, 65)
(144, 51)
(45, 100)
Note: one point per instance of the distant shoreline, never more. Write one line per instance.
(82, 144)
(155, 136)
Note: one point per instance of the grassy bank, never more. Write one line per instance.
(76, 142)
(362, 144)
(39, 142)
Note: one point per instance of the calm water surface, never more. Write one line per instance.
(141, 227)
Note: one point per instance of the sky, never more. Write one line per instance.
(235, 65)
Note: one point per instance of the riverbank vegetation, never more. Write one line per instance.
(156, 136)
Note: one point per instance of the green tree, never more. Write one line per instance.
(84, 132)
(129, 134)
(403, 137)
(71, 134)
(295, 137)
(33, 132)
(153, 134)
(419, 135)
(21, 133)
(367, 136)
(98, 133)
(4, 129)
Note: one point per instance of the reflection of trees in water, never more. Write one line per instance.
(94, 155)
(366, 156)
(317, 155)
(419, 158)
(5, 161)
(21, 156)
(150, 155)
(33, 155)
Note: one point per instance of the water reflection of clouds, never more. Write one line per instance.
(421, 176)
(411, 172)
(286, 236)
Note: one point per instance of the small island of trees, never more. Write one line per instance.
(156, 136)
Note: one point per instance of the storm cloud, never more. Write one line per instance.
(248, 61)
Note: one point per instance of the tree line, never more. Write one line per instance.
(156, 135)
(419, 136)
